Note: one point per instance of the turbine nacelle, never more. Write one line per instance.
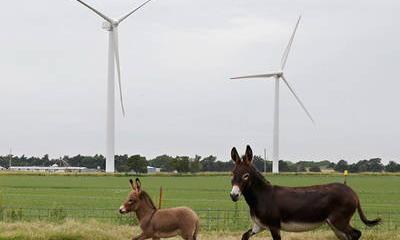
(109, 26)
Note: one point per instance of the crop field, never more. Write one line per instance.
(34, 197)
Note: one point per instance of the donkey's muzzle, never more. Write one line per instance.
(122, 210)
(234, 197)
(235, 193)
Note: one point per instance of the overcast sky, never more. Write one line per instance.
(177, 57)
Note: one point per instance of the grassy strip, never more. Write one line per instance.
(93, 230)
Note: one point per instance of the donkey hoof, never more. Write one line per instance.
(246, 236)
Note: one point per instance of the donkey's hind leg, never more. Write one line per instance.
(339, 234)
(343, 230)
(276, 233)
(355, 234)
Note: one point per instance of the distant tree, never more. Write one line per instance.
(121, 163)
(195, 165)
(259, 165)
(331, 165)
(223, 166)
(137, 163)
(392, 167)
(300, 167)
(165, 162)
(353, 168)
(314, 169)
(361, 166)
(182, 164)
(341, 166)
(99, 161)
(208, 164)
(375, 165)
(372, 165)
(286, 166)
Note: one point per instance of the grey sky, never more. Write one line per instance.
(177, 57)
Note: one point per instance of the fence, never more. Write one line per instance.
(211, 219)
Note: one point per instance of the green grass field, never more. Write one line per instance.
(379, 194)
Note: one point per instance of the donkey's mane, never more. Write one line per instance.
(259, 176)
(144, 195)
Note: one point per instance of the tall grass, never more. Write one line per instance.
(93, 230)
(1, 206)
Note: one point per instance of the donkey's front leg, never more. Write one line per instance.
(256, 229)
(247, 234)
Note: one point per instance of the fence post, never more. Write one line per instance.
(208, 219)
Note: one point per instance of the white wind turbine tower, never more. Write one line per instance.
(278, 76)
(111, 25)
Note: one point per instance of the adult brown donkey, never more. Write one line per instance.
(159, 223)
(294, 209)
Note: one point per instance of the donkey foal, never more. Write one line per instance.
(159, 223)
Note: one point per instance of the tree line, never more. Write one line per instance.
(185, 164)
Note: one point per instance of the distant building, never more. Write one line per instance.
(153, 169)
(55, 168)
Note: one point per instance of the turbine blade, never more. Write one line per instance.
(298, 99)
(134, 10)
(96, 11)
(267, 75)
(287, 50)
(116, 51)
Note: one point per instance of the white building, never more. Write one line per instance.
(54, 168)
(153, 169)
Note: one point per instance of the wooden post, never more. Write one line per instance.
(161, 198)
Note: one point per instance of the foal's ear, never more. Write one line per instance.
(248, 157)
(132, 184)
(138, 185)
(235, 156)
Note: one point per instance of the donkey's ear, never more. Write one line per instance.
(132, 184)
(138, 185)
(235, 156)
(248, 157)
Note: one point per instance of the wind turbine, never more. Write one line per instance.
(111, 25)
(278, 76)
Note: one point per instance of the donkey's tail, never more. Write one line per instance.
(369, 223)
(196, 230)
